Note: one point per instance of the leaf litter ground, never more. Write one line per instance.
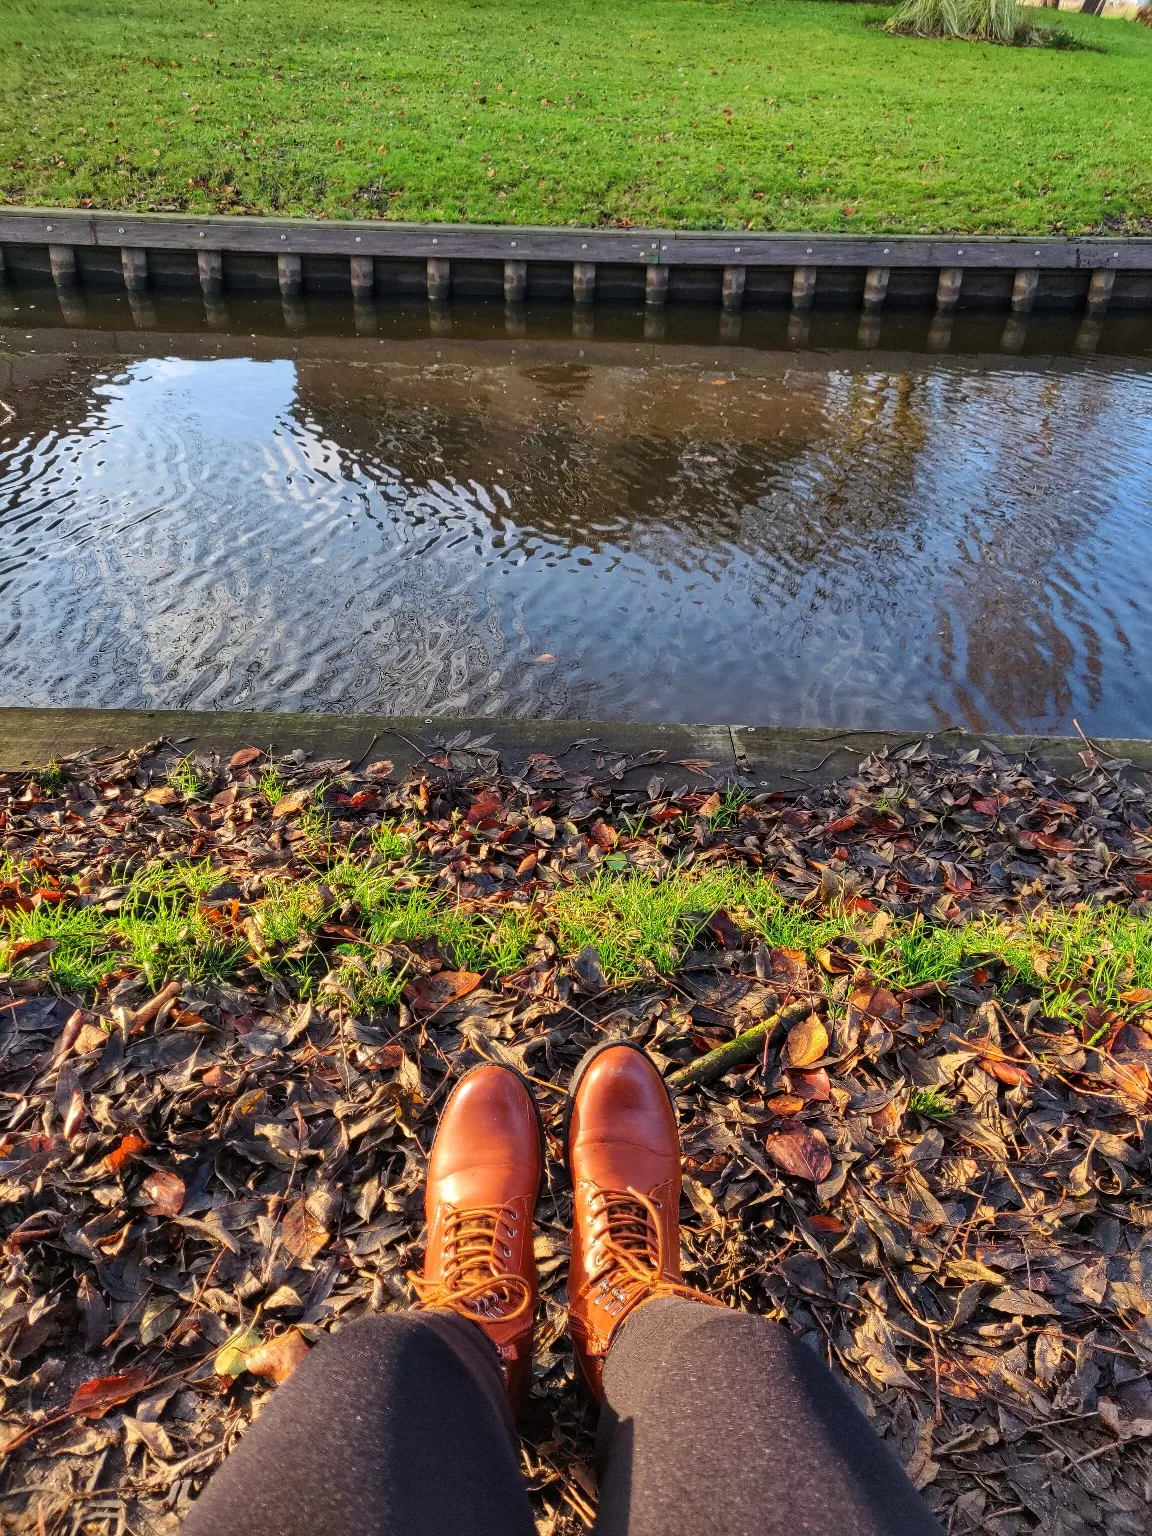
(234, 996)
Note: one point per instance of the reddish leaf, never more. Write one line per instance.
(875, 1003)
(721, 927)
(788, 970)
(166, 1192)
(30, 947)
(710, 806)
(1137, 995)
(604, 836)
(379, 770)
(824, 1223)
(92, 1399)
(279, 1357)
(527, 864)
(1006, 1071)
(245, 756)
(363, 798)
(806, 1042)
(841, 824)
(802, 1153)
(431, 993)
(785, 1104)
(130, 1147)
(811, 1085)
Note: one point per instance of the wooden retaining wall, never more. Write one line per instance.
(221, 253)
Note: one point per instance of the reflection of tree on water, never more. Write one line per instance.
(822, 546)
(1039, 593)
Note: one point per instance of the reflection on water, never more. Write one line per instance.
(865, 539)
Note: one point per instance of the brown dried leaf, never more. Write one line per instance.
(244, 757)
(131, 1146)
(166, 1192)
(807, 1041)
(301, 1233)
(803, 1153)
(279, 1357)
(430, 993)
(292, 803)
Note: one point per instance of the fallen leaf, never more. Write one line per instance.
(166, 1192)
(131, 1146)
(815, 1086)
(803, 1153)
(301, 1233)
(785, 1104)
(710, 806)
(163, 794)
(1022, 1303)
(546, 656)
(379, 770)
(787, 970)
(245, 756)
(30, 947)
(431, 993)
(823, 1223)
(232, 1359)
(92, 1399)
(1006, 1071)
(279, 1357)
(604, 836)
(807, 1041)
(292, 803)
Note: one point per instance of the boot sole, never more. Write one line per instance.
(503, 1067)
(582, 1066)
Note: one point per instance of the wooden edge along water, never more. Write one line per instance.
(221, 253)
(779, 758)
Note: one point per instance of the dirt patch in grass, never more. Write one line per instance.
(234, 997)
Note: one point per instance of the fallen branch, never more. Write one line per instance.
(745, 1047)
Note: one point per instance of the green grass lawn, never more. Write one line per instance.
(761, 114)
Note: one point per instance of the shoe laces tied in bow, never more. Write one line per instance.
(475, 1282)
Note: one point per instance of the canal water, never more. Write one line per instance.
(403, 511)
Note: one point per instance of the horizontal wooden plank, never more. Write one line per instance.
(479, 242)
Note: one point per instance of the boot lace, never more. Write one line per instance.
(627, 1236)
(475, 1282)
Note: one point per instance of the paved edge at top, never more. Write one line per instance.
(529, 242)
(778, 758)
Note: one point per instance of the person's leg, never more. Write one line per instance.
(721, 1421)
(398, 1425)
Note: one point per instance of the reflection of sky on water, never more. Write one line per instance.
(839, 547)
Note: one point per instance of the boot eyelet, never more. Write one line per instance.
(507, 1253)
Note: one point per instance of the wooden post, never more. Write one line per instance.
(1024, 290)
(583, 324)
(803, 287)
(210, 265)
(729, 325)
(868, 331)
(439, 317)
(515, 320)
(948, 289)
(515, 282)
(134, 265)
(732, 293)
(362, 270)
(62, 259)
(940, 331)
(290, 272)
(1015, 330)
(654, 322)
(439, 279)
(656, 286)
(875, 289)
(798, 324)
(583, 282)
(295, 314)
(1100, 291)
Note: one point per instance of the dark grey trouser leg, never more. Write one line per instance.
(721, 1422)
(396, 1426)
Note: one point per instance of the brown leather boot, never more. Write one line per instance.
(484, 1177)
(623, 1153)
